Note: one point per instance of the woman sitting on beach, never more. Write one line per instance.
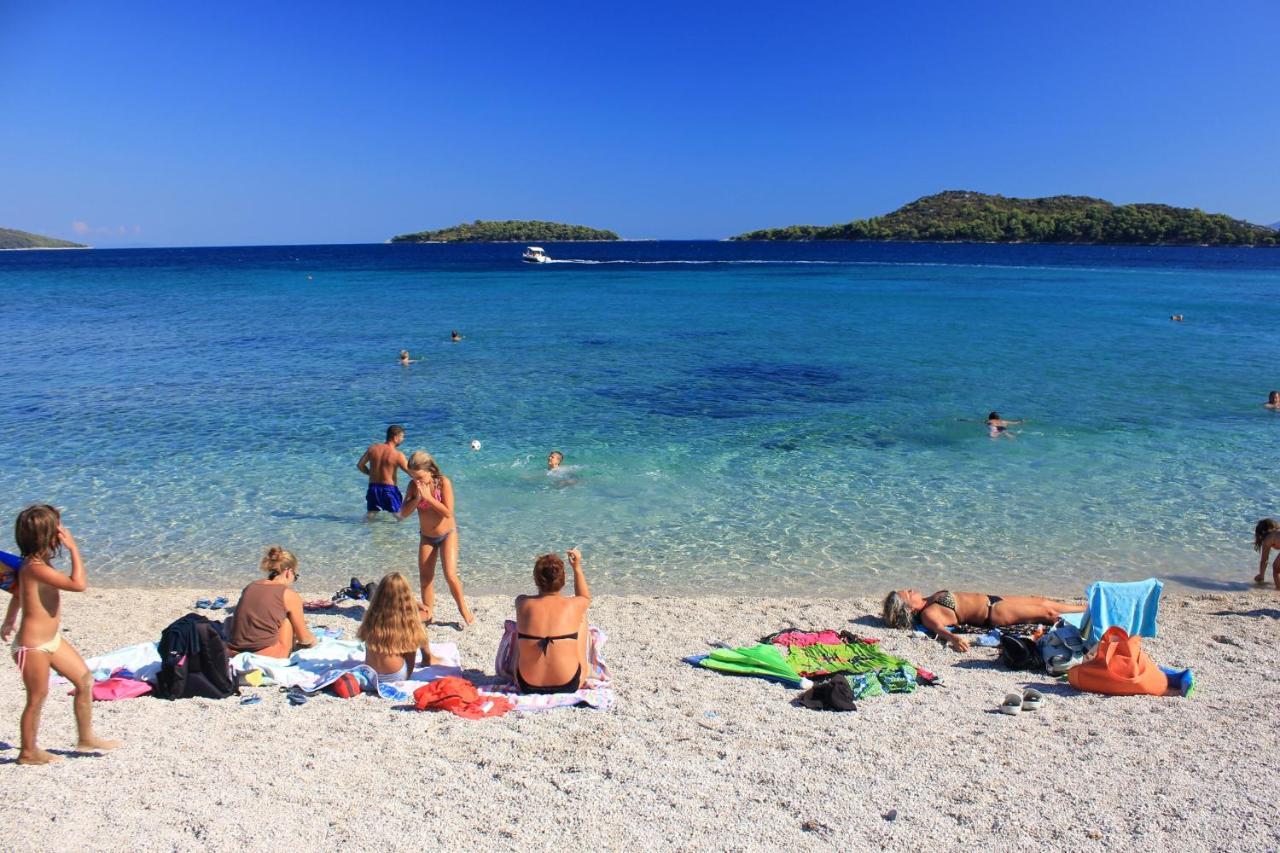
(945, 608)
(392, 632)
(431, 494)
(551, 629)
(268, 619)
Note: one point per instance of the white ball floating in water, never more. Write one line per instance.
(475, 444)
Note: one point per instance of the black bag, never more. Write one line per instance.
(193, 661)
(1020, 653)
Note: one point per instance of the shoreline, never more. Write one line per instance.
(685, 754)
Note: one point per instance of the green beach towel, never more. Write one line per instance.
(762, 660)
(821, 658)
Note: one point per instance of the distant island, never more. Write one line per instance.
(507, 231)
(969, 217)
(13, 239)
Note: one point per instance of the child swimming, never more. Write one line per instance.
(392, 631)
(39, 645)
(1266, 537)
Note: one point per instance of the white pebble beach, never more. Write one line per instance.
(688, 758)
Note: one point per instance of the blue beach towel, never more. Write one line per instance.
(1132, 606)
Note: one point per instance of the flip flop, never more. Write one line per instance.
(296, 696)
(203, 604)
(1032, 699)
(1012, 704)
(219, 603)
(251, 700)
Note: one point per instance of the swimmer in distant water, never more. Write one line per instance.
(554, 458)
(1273, 401)
(997, 426)
(405, 360)
(1177, 318)
(455, 337)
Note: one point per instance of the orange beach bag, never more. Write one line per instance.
(1119, 667)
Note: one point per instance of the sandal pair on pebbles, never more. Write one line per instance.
(1030, 700)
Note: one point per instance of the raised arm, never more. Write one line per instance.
(39, 570)
(302, 635)
(580, 589)
(443, 506)
(410, 502)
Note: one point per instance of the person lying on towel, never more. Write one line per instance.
(551, 629)
(945, 608)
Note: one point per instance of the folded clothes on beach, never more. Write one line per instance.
(596, 692)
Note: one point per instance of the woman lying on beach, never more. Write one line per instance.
(392, 632)
(945, 608)
(431, 494)
(551, 629)
(268, 619)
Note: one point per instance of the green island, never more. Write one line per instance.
(507, 231)
(970, 217)
(14, 239)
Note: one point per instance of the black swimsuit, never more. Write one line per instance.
(544, 643)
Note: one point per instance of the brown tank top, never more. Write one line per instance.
(259, 616)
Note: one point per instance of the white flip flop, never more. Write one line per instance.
(1012, 704)
(1032, 699)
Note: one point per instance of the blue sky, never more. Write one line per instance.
(236, 123)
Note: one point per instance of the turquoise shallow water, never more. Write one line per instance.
(780, 419)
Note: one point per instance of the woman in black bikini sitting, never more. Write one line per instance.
(551, 629)
(945, 608)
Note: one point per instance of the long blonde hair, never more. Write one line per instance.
(421, 460)
(391, 625)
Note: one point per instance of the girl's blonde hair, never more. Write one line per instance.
(421, 460)
(1264, 529)
(278, 561)
(391, 625)
(897, 613)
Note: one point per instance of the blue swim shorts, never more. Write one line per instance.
(383, 497)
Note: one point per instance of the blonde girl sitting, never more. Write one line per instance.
(392, 632)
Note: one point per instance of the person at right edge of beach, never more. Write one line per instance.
(39, 646)
(380, 463)
(1266, 538)
(1273, 401)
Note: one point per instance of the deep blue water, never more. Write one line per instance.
(801, 418)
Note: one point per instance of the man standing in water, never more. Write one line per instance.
(379, 463)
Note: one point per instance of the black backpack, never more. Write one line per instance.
(193, 661)
(1020, 652)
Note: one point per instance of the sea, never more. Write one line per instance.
(738, 419)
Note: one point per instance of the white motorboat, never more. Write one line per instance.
(535, 255)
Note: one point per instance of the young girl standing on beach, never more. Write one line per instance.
(392, 632)
(1266, 537)
(39, 644)
(431, 494)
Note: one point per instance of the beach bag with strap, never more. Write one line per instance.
(1119, 667)
(1061, 648)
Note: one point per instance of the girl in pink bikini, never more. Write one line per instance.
(431, 494)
